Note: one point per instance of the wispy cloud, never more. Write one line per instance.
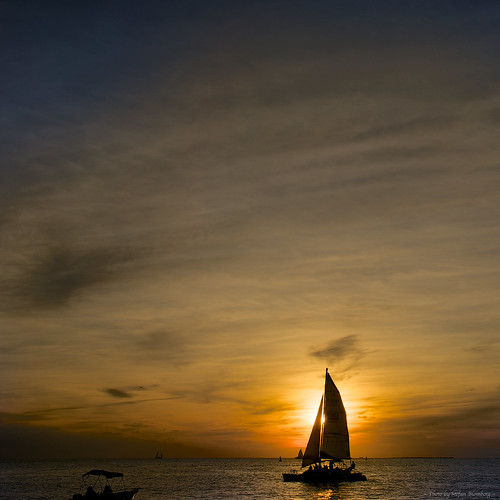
(439, 429)
(117, 393)
(52, 279)
(342, 354)
(165, 346)
(37, 414)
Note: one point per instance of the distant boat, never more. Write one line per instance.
(329, 441)
(300, 455)
(159, 455)
(95, 487)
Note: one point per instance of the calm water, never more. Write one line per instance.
(257, 479)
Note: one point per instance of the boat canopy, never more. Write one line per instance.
(105, 473)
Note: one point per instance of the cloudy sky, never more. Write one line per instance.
(204, 204)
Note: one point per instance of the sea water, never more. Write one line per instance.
(408, 478)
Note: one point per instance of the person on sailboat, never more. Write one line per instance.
(90, 493)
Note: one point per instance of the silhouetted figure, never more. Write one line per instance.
(90, 493)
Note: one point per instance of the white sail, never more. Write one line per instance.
(334, 435)
(311, 455)
(329, 436)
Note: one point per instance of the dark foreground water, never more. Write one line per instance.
(257, 479)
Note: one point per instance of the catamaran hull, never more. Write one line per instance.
(324, 476)
(119, 495)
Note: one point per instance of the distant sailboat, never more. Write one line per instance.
(329, 440)
(159, 454)
(300, 455)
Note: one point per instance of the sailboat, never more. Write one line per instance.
(300, 455)
(159, 455)
(328, 444)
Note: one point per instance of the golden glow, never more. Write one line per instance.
(308, 414)
(311, 417)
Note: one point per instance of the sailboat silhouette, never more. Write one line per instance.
(329, 440)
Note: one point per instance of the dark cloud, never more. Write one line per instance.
(166, 346)
(468, 410)
(117, 393)
(468, 431)
(45, 413)
(429, 425)
(22, 418)
(472, 417)
(60, 273)
(340, 349)
(342, 354)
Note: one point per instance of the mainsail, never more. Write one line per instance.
(329, 436)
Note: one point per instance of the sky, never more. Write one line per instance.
(205, 204)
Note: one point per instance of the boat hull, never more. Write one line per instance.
(324, 476)
(119, 495)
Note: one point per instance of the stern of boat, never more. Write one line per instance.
(289, 477)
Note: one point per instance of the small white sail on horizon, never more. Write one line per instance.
(329, 436)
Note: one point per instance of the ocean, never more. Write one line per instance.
(397, 478)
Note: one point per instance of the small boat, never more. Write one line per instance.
(98, 484)
(328, 444)
(159, 455)
(300, 455)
